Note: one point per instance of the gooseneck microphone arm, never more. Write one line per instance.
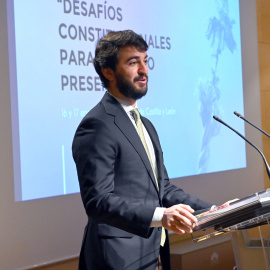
(242, 117)
(239, 134)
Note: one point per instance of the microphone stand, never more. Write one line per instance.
(240, 116)
(239, 134)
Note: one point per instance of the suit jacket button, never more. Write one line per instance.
(159, 228)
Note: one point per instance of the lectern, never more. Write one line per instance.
(251, 253)
(252, 212)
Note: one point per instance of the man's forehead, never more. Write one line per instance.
(129, 51)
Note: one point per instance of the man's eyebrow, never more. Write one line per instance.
(135, 57)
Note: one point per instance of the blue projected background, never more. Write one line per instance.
(195, 72)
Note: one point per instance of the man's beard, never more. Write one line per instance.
(128, 89)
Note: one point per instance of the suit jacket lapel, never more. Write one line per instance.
(123, 122)
(158, 153)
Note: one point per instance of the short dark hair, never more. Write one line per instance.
(106, 54)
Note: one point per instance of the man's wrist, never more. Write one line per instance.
(157, 217)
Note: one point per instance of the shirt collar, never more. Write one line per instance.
(126, 106)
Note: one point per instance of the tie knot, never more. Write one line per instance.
(136, 115)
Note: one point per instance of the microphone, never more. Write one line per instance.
(239, 134)
(240, 116)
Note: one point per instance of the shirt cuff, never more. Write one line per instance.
(157, 217)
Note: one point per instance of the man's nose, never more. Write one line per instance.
(143, 69)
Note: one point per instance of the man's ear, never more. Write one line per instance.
(108, 73)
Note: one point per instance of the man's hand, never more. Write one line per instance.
(216, 208)
(224, 205)
(179, 219)
(229, 202)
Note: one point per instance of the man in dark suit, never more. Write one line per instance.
(123, 181)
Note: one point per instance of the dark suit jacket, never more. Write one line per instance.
(119, 192)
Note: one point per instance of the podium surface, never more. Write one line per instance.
(238, 219)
